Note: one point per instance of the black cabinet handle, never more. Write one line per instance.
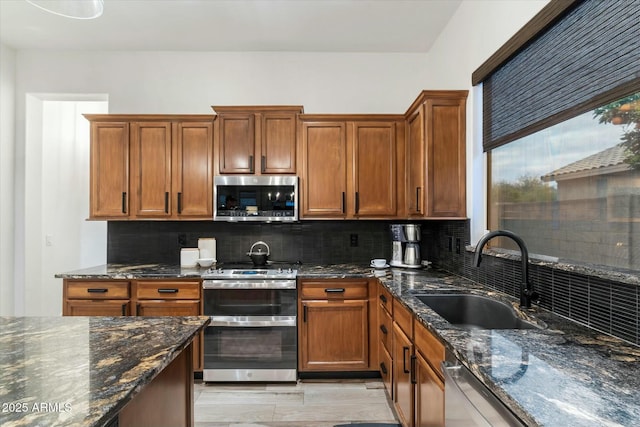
(97, 290)
(343, 201)
(263, 164)
(383, 299)
(357, 202)
(124, 309)
(418, 190)
(124, 202)
(180, 202)
(304, 314)
(251, 166)
(334, 290)
(383, 368)
(413, 370)
(384, 329)
(405, 351)
(166, 202)
(167, 291)
(137, 309)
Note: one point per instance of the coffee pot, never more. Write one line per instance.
(405, 245)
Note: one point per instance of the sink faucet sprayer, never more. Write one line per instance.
(527, 294)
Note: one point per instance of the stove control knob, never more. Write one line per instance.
(279, 269)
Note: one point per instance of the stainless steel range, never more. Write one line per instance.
(252, 335)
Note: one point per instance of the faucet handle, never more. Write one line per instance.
(531, 295)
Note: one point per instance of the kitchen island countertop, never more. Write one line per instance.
(563, 374)
(82, 371)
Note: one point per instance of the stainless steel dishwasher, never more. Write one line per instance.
(469, 403)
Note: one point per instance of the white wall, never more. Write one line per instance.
(475, 32)
(7, 119)
(57, 236)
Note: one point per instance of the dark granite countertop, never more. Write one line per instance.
(81, 371)
(562, 375)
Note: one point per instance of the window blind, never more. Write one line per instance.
(586, 58)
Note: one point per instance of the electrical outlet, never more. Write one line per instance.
(450, 243)
(182, 239)
(458, 244)
(354, 240)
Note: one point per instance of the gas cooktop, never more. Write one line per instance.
(246, 270)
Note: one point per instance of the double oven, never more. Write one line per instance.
(252, 335)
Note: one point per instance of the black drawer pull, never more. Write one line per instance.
(383, 298)
(124, 309)
(167, 291)
(383, 368)
(334, 290)
(383, 329)
(97, 290)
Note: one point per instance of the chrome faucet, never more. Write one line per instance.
(527, 294)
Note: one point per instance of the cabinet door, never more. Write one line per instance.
(324, 180)
(374, 175)
(151, 169)
(97, 308)
(402, 384)
(174, 308)
(193, 170)
(278, 143)
(415, 163)
(445, 137)
(109, 174)
(429, 395)
(334, 335)
(236, 143)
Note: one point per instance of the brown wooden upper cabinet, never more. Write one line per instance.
(435, 153)
(350, 165)
(151, 167)
(256, 140)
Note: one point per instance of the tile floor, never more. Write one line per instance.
(308, 403)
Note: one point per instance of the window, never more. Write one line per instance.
(561, 124)
(573, 190)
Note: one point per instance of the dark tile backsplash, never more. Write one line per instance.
(606, 305)
(322, 242)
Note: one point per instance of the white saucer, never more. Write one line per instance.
(384, 266)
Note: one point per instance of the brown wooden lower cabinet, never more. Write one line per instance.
(413, 366)
(165, 402)
(97, 308)
(429, 395)
(403, 389)
(333, 325)
(154, 297)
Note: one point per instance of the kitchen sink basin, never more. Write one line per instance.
(475, 311)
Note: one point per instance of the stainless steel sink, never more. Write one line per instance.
(475, 311)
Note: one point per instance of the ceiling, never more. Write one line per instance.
(234, 25)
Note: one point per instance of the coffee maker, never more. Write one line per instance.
(405, 245)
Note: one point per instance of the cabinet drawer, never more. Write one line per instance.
(167, 290)
(385, 330)
(97, 290)
(402, 316)
(386, 369)
(335, 290)
(429, 346)
(385, 299)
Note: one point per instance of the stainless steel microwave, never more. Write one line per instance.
(263, 198)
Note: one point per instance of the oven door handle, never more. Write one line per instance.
(249, 284)
(252, 321)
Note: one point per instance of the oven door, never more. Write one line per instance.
(250, 348)
(234, 302)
